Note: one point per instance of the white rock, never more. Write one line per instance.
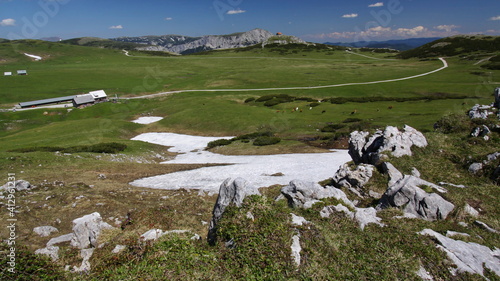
(87, 229)
(85, 254)
(118, 249)
(51, 251)
(152, 234)
(424, 274)
(468, 257)
(450, 233)
(298, 220)
(471, 211)
(304, 194)
(60, 239)
(296, 249)
(45, 231)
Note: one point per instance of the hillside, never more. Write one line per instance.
(455, 45)
(99, 42)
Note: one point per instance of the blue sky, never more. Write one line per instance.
(313, 20)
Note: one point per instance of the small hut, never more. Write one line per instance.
(279, 33)
(22, 72)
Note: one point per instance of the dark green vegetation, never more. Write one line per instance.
(259, 139)
(112, 147)
(333, 249)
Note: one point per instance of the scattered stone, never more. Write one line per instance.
(118, 249)
(407, 194)
(398, 143)
(152, 234)
(468, 257)
(406, 216)
(45, 231)
(304, 194)
(475, 168)
(101, 176)
(357, 178)
(497, 98)
(480, 111)
(51, 251)
(87, 229)
(298, 220)
(450, 233)
(481, 132)
(492, 157)
(19, 185)
(463, 224)
(374, 194)
(250, 216)
(196, 237)
(486, 227)
(60, 239)
(230, 192)
(471, 211)
(296, 249)
(424, 274)
(363, 216)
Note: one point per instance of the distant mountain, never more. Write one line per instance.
(51, 39)
(186, 45)
(401, 45)
(455, 45)
(99, 42)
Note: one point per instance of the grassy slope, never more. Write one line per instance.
(333, 249)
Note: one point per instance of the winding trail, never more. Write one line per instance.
(445, 65)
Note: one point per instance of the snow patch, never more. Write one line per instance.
(147, 120)
(37, 58)
(313, 167)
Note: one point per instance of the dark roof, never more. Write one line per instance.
(83, 99)
(46, 101)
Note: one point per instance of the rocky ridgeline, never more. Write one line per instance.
(185, 44)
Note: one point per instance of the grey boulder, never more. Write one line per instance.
(304, 194)
(407, 194)
(86, 230)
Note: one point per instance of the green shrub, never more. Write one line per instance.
(453, 123)
(332, 127)
(220, 142)
(112, 147)
(272, 102)
(314, 104)
(265, 140)
(249, 100)
(352, 120)
(265, 98)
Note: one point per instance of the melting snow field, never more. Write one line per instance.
(33, 56)
(259, 170)
(147, 120)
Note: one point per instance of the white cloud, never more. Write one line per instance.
(8, 22)
(235, 12)
(116, 27)
(347, 16)
(495, 18)
(447, 28)
(385, 33)
(378, 4)
(169, 18)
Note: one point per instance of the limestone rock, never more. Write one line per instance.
(298, 220)
(230, 192)
(357, 178)
(60, 239)
(296, 249)
(118, 249)
(468, 257)
(363, 216)
(424, 274)
(19, 185)
(44, 231)
(85, 254)
(152, 234)
(480, 111)
(87, 229)
(481, 132)
(471, 211)
(475, 168)
(497, 98)
(304, 194)
(394, 174)
(51, 251)
(486, 227)
(363, 150)
(407, 194)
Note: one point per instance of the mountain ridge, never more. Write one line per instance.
(399, 44)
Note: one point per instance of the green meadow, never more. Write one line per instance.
(334, 249)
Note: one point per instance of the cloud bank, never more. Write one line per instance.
(116, 27)
(235, 12)
(379, 4)
(8, 22)
(347, 16)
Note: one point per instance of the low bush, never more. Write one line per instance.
(111, 147)
(220, 142)
(249, 100)
(453, 123)
(272, 102)
(265, 140)
(332, 127)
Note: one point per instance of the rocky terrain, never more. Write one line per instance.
(185, 44)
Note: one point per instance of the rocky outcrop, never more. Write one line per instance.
(185, 44)
(481, 132)
(365, 149)
(467, 256)
(407, 194)
(352, 178)
(480, 111)
(51, 251)
(497, 98)
(86, 230)
(230, 192)
(303, 194)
